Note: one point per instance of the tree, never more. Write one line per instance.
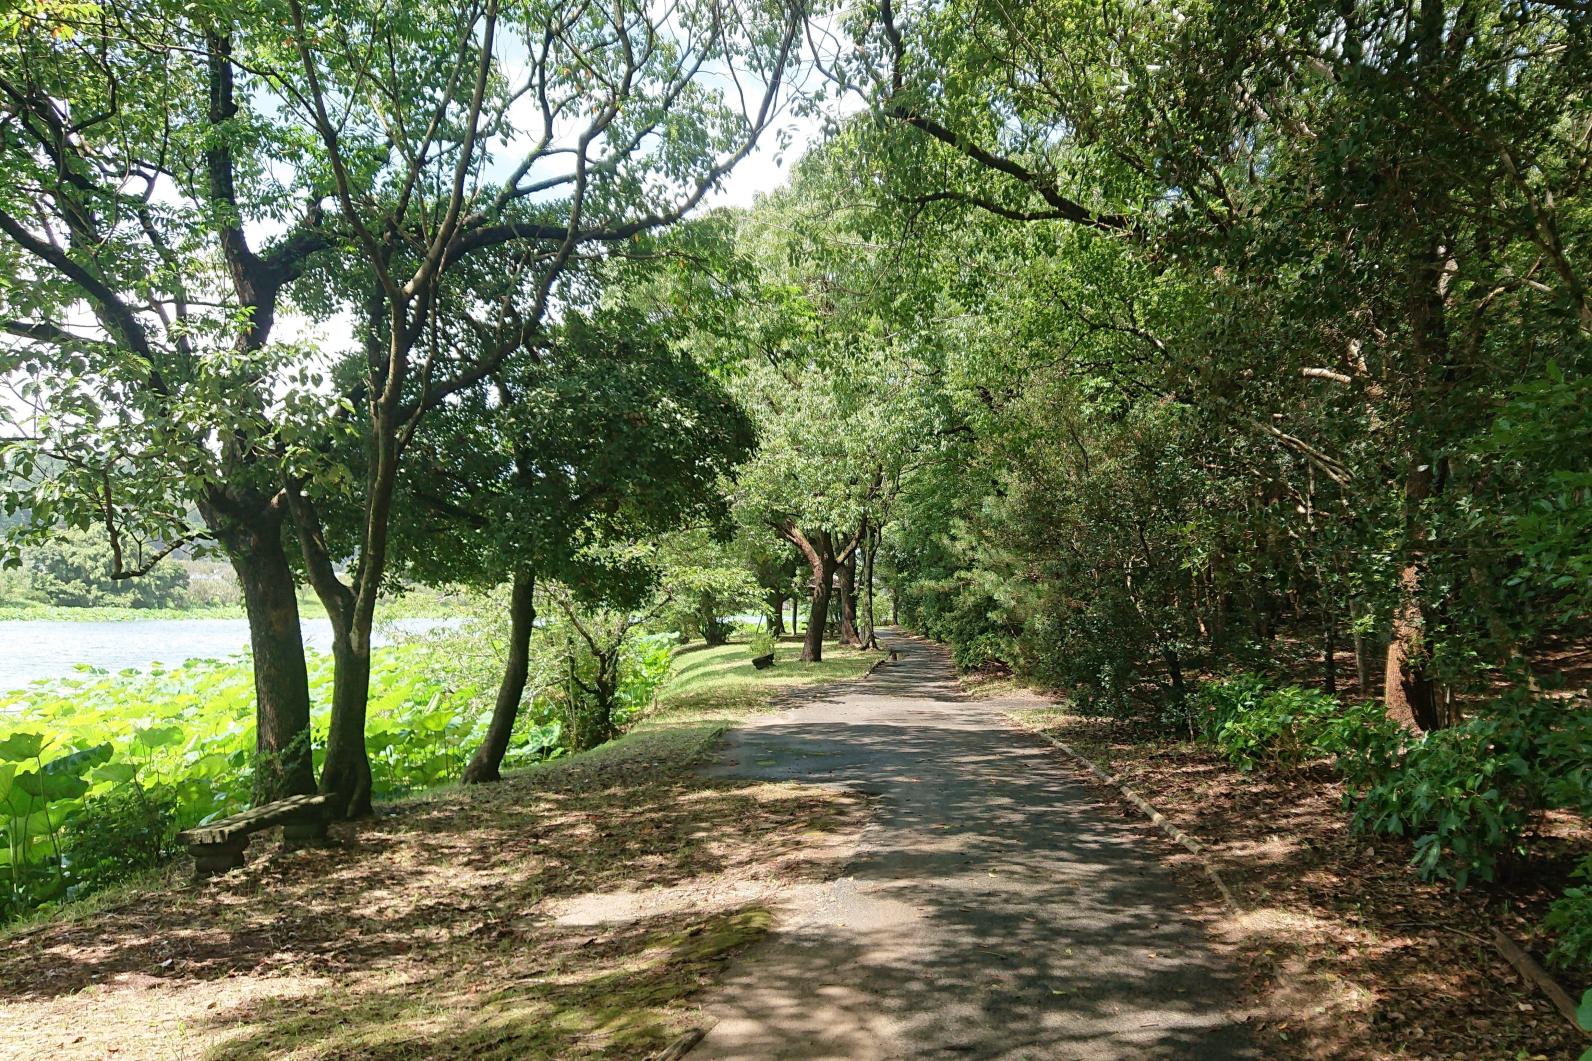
(611, 434)
(74, 569)
(140, 312)
(1282, 168)
(625, 137)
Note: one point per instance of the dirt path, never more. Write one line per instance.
(993, 909)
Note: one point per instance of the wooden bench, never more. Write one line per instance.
(218, 847)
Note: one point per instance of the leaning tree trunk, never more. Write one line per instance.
(284, 764)
(487, 763)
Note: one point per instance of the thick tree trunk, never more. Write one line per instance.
(869, 638)
(714, 630)
(1411, 694)
(284, 765)
(487, 763)
(847, 577)
(823, 568)
(778, 612)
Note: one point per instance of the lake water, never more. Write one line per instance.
(32, 649)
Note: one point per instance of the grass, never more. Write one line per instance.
(572, 910)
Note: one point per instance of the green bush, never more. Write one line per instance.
(1218, 703)
(117, 835)
(1570, 920)
(762, 643)
(1468, 794)
(1364, 743)
(980, 651)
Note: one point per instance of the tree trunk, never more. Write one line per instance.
(714, 630)
(1410, 693)
(284, 764)
(869, 640)
(847, 578)
(487, 762)
(795, 615)
(1174, 674)
(778, 627)
(823, 568)
(1362, 665)
(1329, 656)
(345, 775)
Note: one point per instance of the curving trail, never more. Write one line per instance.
(993, 908)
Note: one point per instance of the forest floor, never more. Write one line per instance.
(573, 909)
(1348, 954)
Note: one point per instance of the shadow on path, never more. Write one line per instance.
(994, 908)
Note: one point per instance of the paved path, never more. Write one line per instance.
(994, 909)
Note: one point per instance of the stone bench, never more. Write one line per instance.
(218, 846)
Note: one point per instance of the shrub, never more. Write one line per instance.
(1570, 919)
(762, 643)
(980, 651)
(1364, 743)
(1467, 794)
(1281, 732)
(1218, 703)
(116, 835)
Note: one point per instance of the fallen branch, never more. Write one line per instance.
(1527, 967)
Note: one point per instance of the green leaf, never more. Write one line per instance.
(19, 747)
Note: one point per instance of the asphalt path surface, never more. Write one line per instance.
(994, 907)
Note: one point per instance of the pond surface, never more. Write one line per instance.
(48, 648)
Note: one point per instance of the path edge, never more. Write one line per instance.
(1194, 847)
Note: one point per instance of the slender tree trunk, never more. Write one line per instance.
(487, 762)
(1362, 665)
(345, 775)
(795, 615)
(284, 765)
(1329, 656)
